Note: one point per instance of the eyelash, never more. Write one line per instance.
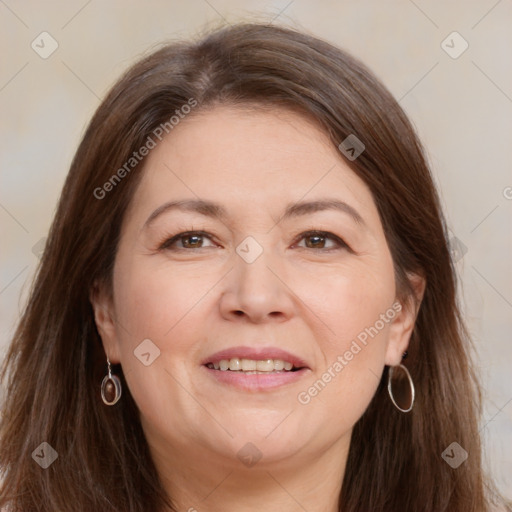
(169, 241)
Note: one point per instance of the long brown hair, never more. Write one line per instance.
(56, 361)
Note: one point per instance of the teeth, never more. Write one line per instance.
(251, 365)
(265, 366)
(247, 365)
(278, 364)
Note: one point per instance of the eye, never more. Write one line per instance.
(187, 240)
(196, 240)
(321, 240)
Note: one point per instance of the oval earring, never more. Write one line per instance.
(111, 389)
(401, 398)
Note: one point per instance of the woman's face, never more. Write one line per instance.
(284, 261)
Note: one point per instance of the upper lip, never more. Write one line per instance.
(257, 354)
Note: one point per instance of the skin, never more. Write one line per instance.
(308, 296)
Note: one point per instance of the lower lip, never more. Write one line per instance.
(256, 381)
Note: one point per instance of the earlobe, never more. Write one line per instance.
(403, 324)
(104, 318)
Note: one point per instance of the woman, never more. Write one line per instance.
(246, 300)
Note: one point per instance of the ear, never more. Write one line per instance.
(403, 323)
(103, 307)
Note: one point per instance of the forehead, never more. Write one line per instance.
(249, 159)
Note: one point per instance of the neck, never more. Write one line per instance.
(201, 481)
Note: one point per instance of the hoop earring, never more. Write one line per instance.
(411, 386)
(111, 389)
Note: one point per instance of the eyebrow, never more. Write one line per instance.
(217, 211)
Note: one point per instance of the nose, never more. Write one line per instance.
(257, 292)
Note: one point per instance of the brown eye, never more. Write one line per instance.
(187, 240)
(315, 241)
(192, 241)
(321, 240)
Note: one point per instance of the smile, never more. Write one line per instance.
(252, 366)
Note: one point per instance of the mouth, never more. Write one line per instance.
(255, 369)
(253, 366)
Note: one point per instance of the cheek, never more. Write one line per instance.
(167, 308)
(348, 299)
(355, 304)
(152, 301)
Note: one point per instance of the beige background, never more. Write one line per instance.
(461, 107)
